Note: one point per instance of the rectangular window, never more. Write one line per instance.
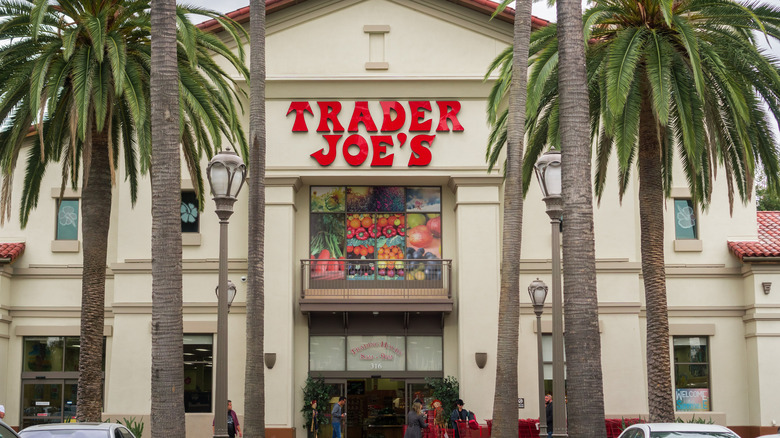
(375, 353)
(327, 353)
(68, 219)
(423, 353)
(685, 226)
(379, 230)
(198, 370)
(50, 372)
(190, 215)
(691, 373)
(547, 359)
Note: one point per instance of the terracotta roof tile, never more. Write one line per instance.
(768, 243)
(10, 251)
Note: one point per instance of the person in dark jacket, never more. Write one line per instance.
(458, 414)
(415, 422)
(548, 407)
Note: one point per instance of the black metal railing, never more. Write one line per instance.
(375, 278)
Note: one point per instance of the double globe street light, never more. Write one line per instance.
(548, 172)
(226, 173)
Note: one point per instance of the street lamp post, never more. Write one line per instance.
(548, 172)
(226, 173)
(538, 292)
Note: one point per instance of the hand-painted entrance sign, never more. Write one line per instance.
(355, 147)
(376, 353)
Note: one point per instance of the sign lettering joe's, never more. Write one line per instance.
(355, 147)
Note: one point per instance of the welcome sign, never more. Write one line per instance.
(380, 140)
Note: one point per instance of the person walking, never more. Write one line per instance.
(2, 412)
(337, 416)
(548, 407)
(232, 422)
(458, 414)
(415, 422)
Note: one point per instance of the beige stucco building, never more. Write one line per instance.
(423, 184)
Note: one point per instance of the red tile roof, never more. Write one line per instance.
(10, 251)
(768, 243)
(484, 6)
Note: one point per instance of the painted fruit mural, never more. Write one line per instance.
(361, 245)
(326, 246)
(390, 244)
(423, 246)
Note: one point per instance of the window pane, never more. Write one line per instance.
(327, 233)
(360, 199)
(390, 246)
(691, 350)
(42, 354)
(42, 400)
(692, 399)
(72, 348)
(423, 199)
(684, 219)
(369, 353)
(326, 353)
(71, 391)
(68, 220)
(691, 373)
(389, 199)
(327, 199)
(361, 245)
(198, 361)
(190, 216)
(423, 353)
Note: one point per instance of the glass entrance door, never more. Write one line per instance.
(336, 388)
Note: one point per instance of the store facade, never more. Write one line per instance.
(383, 251)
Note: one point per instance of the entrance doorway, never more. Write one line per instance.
(377, 407)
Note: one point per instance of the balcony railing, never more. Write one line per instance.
(374, 279)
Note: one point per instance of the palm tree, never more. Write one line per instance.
(78, 72)
(664, 77)
(167, 325)
(585, 406)
(505, 395)
(254, 382)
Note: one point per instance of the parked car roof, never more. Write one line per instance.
(76, 430)
(684, 428)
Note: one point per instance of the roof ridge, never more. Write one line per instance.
(487, 7)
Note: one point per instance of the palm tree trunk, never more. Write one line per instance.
(651, 218)
(505, 395)
(254, 392)
(583, 344)
(95, 211)
(167, 410)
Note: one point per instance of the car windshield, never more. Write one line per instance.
(690, 435)
(65, 433)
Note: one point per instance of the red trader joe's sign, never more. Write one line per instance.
(381, 138)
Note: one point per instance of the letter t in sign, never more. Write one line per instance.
(300, 122)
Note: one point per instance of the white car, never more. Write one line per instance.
(677, 430)
(6, 431)
(76, 430)
(775, 435)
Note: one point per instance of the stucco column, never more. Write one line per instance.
(280, 297)
(762, 340)
(477, 285)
